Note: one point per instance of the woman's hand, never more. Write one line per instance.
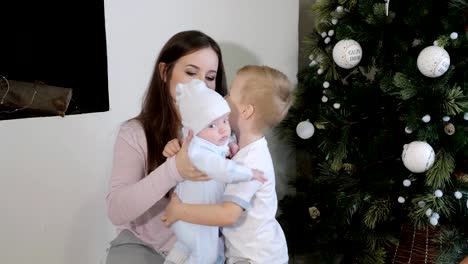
(172, 147)
(171, 213)
(185, 166)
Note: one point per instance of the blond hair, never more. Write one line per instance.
(269, 91)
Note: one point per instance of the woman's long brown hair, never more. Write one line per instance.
(158, 115)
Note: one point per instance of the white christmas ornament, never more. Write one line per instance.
(418, 156)
(320, 71)
(326, 84)
(406, 183)
(331, 32)
(433, 61)
(438, 193)
(347, 53)
(408, 130)
(426, 118)
(401, 199)
(446, 118)
(435, 215)
(305, 129)
(465, 116)
(429, 212)
(336, 105)
(323, 34)
(458, 195)
(324, 99)
(454, 35)
(434, 221)
(339, 9)
(435, 43)
(421, 204)
(327, 40)
(313, 63)
(334, 21)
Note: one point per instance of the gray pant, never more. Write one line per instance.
(126, 248)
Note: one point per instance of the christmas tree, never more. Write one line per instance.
(380, 132)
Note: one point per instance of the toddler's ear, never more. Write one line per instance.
(247, 111)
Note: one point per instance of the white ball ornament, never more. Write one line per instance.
(418, 156)
(323, 34)
(408, 130)
(305, 129)
(421, 204)
(465, 116)
(426, 118)
(429, 212)
(334, 21)
(339, 9)
(406, 183)
(458, 195)
(401, 199)
(434, 221)
(454, 35)
(433, 61)
(326, 84)
(336, 105)
(319, 71)
(347, 53)
(438, 193)
(327, 40)
(324, 99)
(331, 32)
(446, 118)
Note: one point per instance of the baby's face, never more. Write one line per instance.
(218, 131)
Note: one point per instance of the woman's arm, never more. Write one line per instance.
(211, 214)
(131, 193)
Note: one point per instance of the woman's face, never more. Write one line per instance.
(201, 64)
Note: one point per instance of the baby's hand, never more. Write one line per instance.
(233, 149)
(258, 175)
(171, 148)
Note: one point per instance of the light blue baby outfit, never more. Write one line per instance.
(201, 243)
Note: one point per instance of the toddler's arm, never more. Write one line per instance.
(213, 214)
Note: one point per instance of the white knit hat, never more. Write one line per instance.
(199, 105)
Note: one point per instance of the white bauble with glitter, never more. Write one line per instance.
(407, 183)
(418, 156)
(401, 199)
(458, 195)
(305, 129)
(347, 53)
(434, 221)
(433, 61)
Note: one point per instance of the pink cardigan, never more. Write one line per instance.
(136, 202)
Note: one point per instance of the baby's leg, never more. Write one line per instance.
(186, 234)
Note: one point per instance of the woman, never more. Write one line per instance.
(141, 175)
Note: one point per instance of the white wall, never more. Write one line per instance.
(54, 170)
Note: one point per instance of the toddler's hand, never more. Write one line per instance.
(171, 148)
(170, 215)
(259, 176)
